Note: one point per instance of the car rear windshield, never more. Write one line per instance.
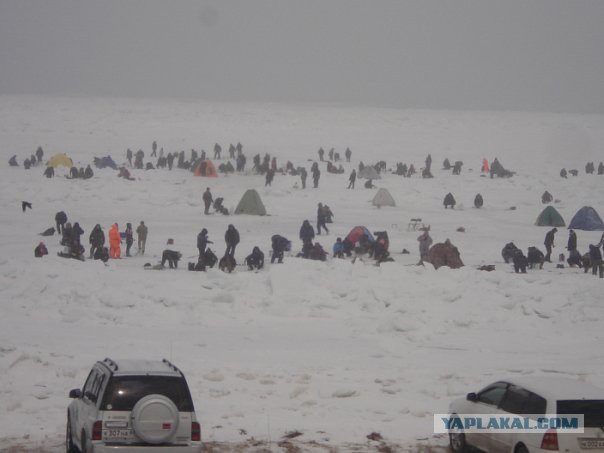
(123, 392)
(592, 410)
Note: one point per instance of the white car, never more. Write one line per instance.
(133, 406)
(533, 395)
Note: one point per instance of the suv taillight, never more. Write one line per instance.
(550, 440)
(97, 430)
(195, 432)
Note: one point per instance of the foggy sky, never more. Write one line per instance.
(540, 55)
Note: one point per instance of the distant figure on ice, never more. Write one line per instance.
(478, 201)
(321, 219)
(352, 179)
(96, 240)
(425, 241)
(279, 245)
(141, 231)
(231, 237)
(61, 220)
(114, 242)
(40, 250)
(449, 201)
(549, 244)
(207, 200)
(255, 260)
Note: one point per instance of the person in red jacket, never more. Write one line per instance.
(114, 242)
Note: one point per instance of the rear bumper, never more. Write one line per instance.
(146, 448)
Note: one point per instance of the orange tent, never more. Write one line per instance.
(208, 169)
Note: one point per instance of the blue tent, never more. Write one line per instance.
(104, 162)
(587, 219)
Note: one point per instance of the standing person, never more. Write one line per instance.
(39, 154)
(217, 151)
(207, 201)
(307, 234)
(352, 179)
(76, 232)
(428, 162)
(96, 239)
(315, 177)
(231, 237)
(572, 241)
(348, 153)
(549, 243)
(202, 242)
(141, 231)
(114, 242)
(303, 175)
(321, 153)
(425, 241)
(60, 219)
(129, 238)
(170, 160)
(129, 157)
(321, 219)
(154, 149)
(270, 175)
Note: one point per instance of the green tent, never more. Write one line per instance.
(550, 217)
(251, 204)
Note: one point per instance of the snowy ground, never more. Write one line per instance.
(332, 350)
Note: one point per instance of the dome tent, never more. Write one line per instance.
(60, 159)
(383, 198)
(205, 168)
(586, 219)
(368, 172)
(550, 217)
(357, 232)
(251, 204)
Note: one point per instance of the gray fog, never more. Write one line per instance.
(535, 55)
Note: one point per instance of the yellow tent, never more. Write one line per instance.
(60, 159)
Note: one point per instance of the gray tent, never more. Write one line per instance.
(383, 198)
(368, 172)
(251, 204)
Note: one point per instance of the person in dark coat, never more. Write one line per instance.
(321, 219)
(154, 149)
(255, 260)
(428, 162)
(520, 261)
(217, 151)
(596, 260)
(40, 250)
(129, 238)
(231, 237)
(307, 234)
(352, 179)
(449, 201)
(27, 164)
(129, 156)
(279, 245)
(96, 240)
(172, 257)
(13, 161)
(207, 201)
(572, 241)
(317, 253)
(202, 242)
(321, 153)
(270, 175)
(102, 253)
(316, 175)
(49, 172)
(478, 201)
(549, 244)
(574, 259)
(348, 154)
(76, 232)
(535, 257)
(141, 232)
(170, 160)
(303, 176)
(509, 251)
(39, 154)
(60, 219)
(546, 197)
(73, 173)
(563, 173)
(601, 168)
(88, 172)
(67, 235)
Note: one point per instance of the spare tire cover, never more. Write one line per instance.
(155, 419)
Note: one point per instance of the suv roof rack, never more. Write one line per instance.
(110, 363)
(171, 365)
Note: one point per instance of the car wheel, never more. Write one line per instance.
(521, 449)
(69, 447)
(457, 442)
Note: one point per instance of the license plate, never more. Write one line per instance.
(590, 444)
(118, 434)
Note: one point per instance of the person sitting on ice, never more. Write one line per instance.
(40, 250)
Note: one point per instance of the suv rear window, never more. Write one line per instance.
(123, 392)
(592, 410)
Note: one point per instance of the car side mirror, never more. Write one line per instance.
(75, 393)
(91, 396)
(471, 397)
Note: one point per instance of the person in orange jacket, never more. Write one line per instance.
(114, 242)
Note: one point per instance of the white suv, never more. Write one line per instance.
(536, 395)
(132, 406)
